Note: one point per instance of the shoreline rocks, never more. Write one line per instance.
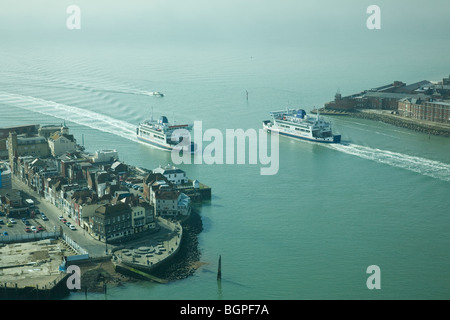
(187, 260)
(398, 121)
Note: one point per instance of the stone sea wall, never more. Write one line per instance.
(412, 124)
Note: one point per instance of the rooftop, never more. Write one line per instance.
(168, 170)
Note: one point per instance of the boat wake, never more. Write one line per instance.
(431, 168)
(31, 80)
(77, 115)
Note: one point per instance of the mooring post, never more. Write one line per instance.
(219, 270)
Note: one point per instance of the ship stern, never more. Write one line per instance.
(337, 138)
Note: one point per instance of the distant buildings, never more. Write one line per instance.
(161, 191)
(423, 100)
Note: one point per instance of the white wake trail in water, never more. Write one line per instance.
(431, 168)
(74, 114)
(51, 82)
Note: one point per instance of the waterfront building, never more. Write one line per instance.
(109, 156)
(423, 100)
(173, 174)
(119, 167)
(170, 203)
(49, 130)
(436, 111)
(111, 222)
(139, 219)
(60, 143)
(30, 129)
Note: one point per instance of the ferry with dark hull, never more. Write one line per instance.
(296, 124)
(159, 134)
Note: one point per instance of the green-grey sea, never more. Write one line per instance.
(382, 197)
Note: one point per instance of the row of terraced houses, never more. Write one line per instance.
(107, 198)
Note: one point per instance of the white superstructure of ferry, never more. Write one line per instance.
(296, 124)
(159, 134)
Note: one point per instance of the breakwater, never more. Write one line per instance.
(426, 127)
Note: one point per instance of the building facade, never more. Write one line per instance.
(111, 222)
(13, 204)
(438, 111)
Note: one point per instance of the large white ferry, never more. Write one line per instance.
(295, 123)
(159, 134)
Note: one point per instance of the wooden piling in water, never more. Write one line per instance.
(219, 269)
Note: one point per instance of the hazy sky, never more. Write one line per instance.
(287, 21)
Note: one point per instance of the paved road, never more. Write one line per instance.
(94, 247)
(80, 236)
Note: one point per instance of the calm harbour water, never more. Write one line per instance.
(308, 232)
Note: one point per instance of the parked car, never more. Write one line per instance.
(9, 224)
(40, 228)
(60, 218)
(23, 219)
(63, 220)
(12, 221)
(33, 228)
(27, 223)
(27, 229)
(5, 233)
(44, 217)
(1, 221)
(72, 227)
